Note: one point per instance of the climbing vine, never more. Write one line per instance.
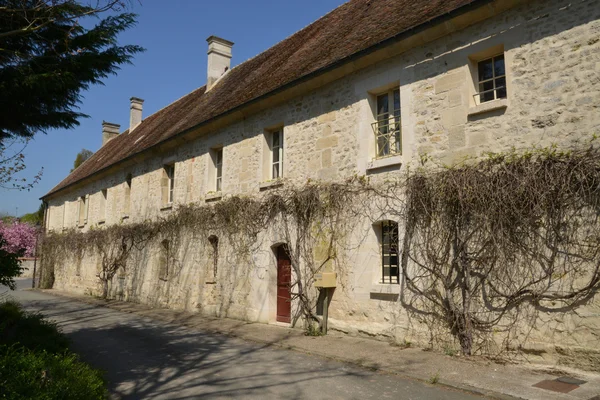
(482, 245)
(486, 244)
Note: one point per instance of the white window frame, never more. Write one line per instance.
(387, 127)
(277, 154)
(493, 80)
(82, 210)
(103, 202)
(218, 160)
(390, 252)
(170, 173)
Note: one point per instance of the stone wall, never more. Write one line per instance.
(552, 53)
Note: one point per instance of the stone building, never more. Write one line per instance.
(366, 90)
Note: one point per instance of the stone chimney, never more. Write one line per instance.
(135, 113)
(109, 131)
(219, 59)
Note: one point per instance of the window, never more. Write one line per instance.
(218, 160)
(167, 184)
(163, 261)
(102, 208)
(170, 169)
(277, 154)
(83, 210)
(127, 197)
(389, 252)
(214, 243)
(491, 79)
(387, 128)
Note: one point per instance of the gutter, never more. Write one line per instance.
(402, 35)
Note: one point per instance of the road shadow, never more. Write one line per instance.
(143, 358)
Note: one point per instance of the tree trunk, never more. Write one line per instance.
(104, 288)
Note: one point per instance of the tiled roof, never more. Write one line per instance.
(351, 28)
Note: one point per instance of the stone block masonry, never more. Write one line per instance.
(552, 56)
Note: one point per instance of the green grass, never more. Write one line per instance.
(35, 361)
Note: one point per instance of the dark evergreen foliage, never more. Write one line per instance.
(48, 57)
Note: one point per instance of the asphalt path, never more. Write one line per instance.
(148, 359)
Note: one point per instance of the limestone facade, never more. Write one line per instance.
(551, 50)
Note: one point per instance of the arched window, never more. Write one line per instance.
(163, 260)
(214, 243)
(390, 268)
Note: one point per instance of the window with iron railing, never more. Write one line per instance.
(387, 127)
(491, 79)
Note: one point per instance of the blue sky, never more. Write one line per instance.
(174, 34)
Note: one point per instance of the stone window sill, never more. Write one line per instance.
(213, 196)
(80, 226)
(101, 222)
(384, 162)
(270, 184)
(385, 288)
(124, 217)
(488, 106)
(168, 206)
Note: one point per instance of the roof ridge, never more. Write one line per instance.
(346, 31)
(292, 34)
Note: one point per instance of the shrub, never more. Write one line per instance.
(27, 374)
(10, 266)
(35, 362)
(29, 330)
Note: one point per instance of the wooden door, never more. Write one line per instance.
(284, 279)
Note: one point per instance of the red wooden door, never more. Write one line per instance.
(284, 279)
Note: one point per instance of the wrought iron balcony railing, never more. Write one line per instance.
(388, 137)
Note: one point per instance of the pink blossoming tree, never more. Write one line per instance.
(19, 238)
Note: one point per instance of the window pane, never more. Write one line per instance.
(382, 104)
(486, 70)
(487, 88)
(383, 148)
(219, 156)
(501, 88)
(275, 171)
(499, 66)
(396, 99)
(276, 154)
(275, 139)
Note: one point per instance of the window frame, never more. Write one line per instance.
(218, 165)
(164, 260)
(277, 149)
(480, 81)
(387, 276)
(388, 142)
(127, 195)
(103, 202)
(82, 210)
(170, 175)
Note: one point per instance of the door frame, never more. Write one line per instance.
(280, 314)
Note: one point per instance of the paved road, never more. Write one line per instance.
(147, 359)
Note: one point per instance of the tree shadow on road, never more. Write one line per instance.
(148, 359)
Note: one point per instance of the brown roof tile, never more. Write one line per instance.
(349, 29)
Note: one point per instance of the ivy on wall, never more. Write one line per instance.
(483, 244)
